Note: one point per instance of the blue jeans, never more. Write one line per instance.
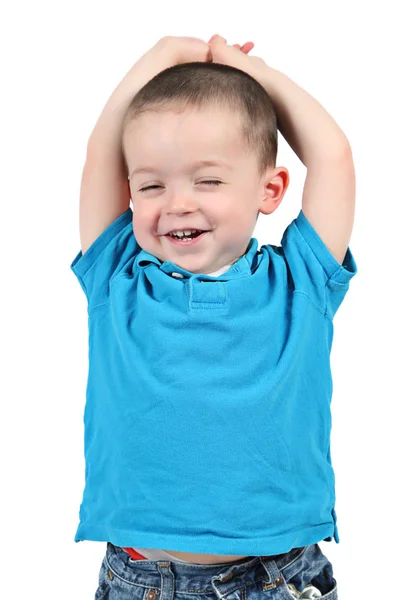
(278, 577)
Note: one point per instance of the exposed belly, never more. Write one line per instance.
(205, 559)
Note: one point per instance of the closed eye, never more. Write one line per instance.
(211, 182)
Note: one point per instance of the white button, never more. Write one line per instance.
(177, 275)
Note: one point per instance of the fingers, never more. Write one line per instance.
(213, 36)
(246, 48)
(219, 37)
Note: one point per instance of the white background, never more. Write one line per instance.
(59, 65)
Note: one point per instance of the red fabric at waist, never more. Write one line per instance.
(135, 555)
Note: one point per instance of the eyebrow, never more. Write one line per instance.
(195, 165)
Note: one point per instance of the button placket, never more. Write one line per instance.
(210, 295)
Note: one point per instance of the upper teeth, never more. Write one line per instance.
(184, 233)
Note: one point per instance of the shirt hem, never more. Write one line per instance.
(202, 544)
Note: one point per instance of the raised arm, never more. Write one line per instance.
(105, 192)
(329, 191)
(328, 200)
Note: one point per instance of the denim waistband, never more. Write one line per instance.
(189, 577)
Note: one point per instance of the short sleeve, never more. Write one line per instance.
(314, 269)
(105, 258)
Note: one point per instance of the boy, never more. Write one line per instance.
(207, 421)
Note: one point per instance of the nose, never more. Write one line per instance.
(180, 204)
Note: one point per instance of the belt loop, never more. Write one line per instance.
(222, 583)
(167, 580)
(274, 574)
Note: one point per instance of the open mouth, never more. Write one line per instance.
(193, 238)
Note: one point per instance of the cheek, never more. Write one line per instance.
(143, 218)
(146, 230)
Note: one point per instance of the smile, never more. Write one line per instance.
(188, 241)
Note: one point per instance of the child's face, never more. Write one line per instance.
(168, 144)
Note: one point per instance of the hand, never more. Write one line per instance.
(183, 49)
(167, 52)
(189, 49)
(246, 48)
(236, 56)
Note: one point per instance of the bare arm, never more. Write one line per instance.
(329, 191)
(105, 192)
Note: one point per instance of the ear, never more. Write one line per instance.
(275, 185)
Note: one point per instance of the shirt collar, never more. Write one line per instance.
(243, 266)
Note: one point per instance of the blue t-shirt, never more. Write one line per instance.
(207, 416)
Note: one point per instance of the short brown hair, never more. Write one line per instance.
(204, 84)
